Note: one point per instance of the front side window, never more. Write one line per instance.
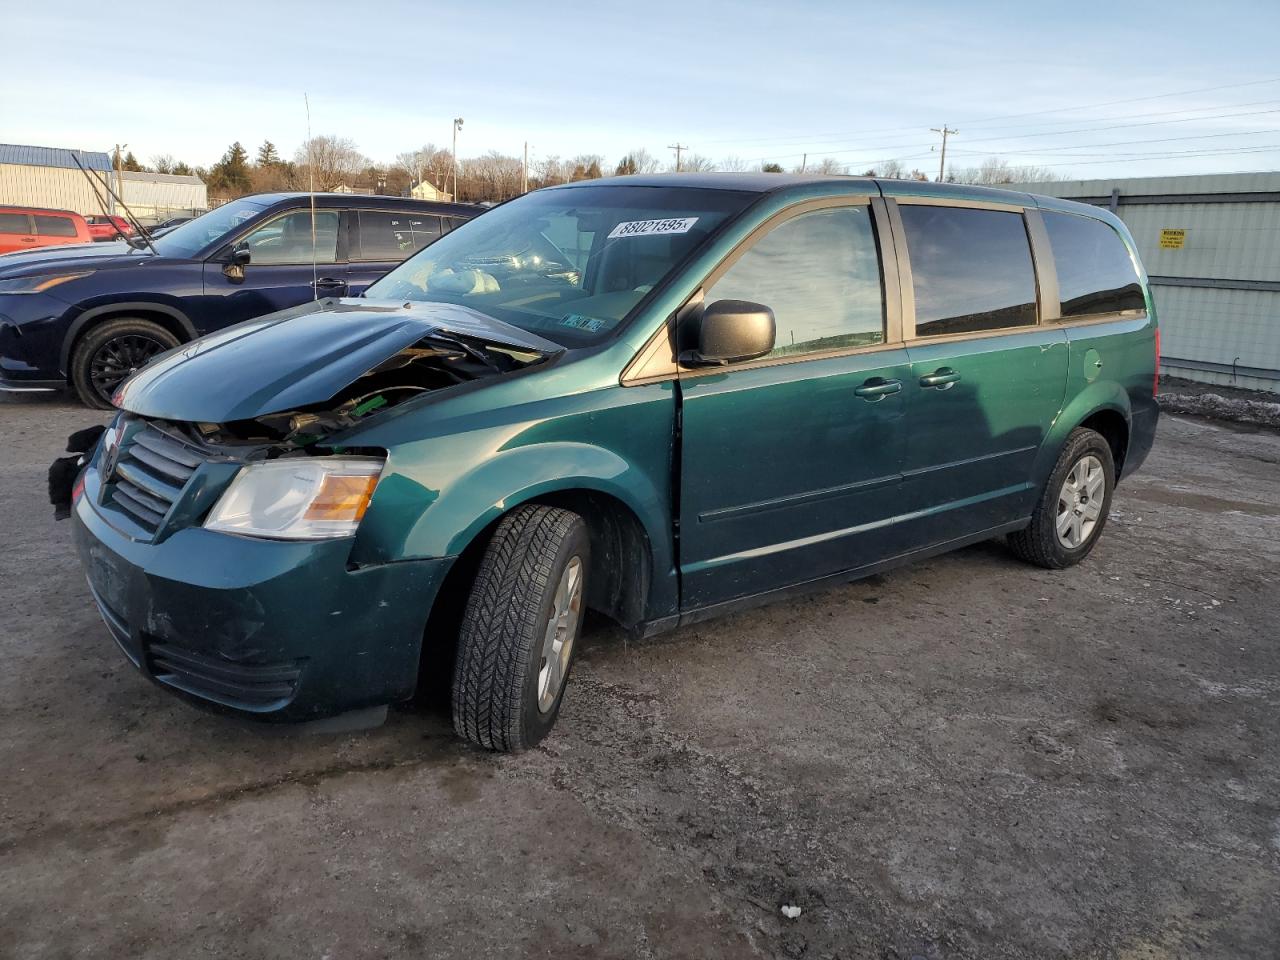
(820, 275)
(971, 269)
(55, 226)
(287, 239)
(569, 264)
(1096, 274)
(190, 238)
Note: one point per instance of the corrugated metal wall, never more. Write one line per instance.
(157, 195)
(57, 187)
(1210, 331)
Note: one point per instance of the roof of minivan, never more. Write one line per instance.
(774, 182)
(15, 208)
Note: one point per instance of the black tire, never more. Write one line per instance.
(500, 644)
(1039, 542)
(109, 352)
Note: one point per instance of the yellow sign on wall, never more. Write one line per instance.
(1172, 239)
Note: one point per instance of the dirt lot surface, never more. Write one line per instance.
(965, 758)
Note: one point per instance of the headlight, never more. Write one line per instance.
(38, 284)
(304, 498)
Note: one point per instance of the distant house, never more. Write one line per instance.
(425, 191)
(48, 177)
(359, 191)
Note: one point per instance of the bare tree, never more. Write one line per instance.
(732, 165)
(995, 170)
(694, 163)
(830, 165)
(893, 170)
(332, 160)
(428, 163)
(638, 161)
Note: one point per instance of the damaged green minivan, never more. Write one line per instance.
(658, 397)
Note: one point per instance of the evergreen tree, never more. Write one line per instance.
(267, 155)
(231, 173)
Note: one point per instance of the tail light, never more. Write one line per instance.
(1155, 384)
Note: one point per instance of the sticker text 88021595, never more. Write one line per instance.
(649, 228)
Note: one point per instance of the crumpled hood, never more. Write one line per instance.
(68, 257)
(298, 357)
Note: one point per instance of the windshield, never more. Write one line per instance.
(188, 239)
(567, 264)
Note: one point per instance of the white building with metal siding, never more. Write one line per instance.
(158, 196)
(48, 177)
(1211, 245)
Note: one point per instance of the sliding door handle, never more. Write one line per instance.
(942, 379)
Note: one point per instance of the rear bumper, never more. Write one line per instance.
(280, 631)
(1142, 436)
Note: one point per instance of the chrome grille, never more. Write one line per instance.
(150, 474)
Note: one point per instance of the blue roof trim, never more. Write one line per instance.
(52, 157)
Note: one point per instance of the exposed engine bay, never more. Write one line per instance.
(433, 363)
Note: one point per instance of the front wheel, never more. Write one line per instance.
(520, 628)
(1073, 506)
(110, 352)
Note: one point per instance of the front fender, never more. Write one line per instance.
(1096, 397)
(408, 520)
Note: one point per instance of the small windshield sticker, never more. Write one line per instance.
(579, 322)
(649, 228)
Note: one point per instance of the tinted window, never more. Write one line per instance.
(14, 223)
(425, 229)
(1095, 272)
(385, 236)
(971, 269)
(55, 226)
(820, 275)
(287, 239)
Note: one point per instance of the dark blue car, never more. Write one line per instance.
(87, 316)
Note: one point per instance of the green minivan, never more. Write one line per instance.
(660, 397)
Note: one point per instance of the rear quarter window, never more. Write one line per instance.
(1096, 274)
(14, 223)
(55, 226)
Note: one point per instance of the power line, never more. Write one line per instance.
(1115, 143)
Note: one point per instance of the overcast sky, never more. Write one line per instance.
(1029, 82)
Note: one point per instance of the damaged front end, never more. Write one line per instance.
(275, 389)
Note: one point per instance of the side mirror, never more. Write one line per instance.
(732, 331)
(240, 256)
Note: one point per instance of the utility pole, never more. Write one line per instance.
(942, 164)
(457, 125)
(524, 170)
(678, 147)
(804, 163)
(119, 176)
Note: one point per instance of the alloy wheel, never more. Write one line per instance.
(562, 630)
(1080, 502)
(118, 358)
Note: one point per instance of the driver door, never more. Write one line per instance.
(279, 273)
(791, 464)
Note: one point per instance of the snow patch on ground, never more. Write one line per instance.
(1261, 412)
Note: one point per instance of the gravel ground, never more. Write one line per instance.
(964, 758)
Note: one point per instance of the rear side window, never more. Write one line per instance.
(971, 269)
(14, 223)
(820, 274)
(425, 228)
(1096, 274)
(55, 226)
(385, 236)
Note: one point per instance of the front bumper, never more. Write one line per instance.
(33, 333)
(274, 630)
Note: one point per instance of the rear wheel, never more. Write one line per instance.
(1073, 507)
(520, 628)
(110, 352)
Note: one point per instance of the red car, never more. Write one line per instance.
(27, 228)
(104, 227)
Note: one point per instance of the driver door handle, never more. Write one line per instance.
(329, 283)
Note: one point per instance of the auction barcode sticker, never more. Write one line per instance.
(649, 228)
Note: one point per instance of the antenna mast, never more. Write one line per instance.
(311, 174)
